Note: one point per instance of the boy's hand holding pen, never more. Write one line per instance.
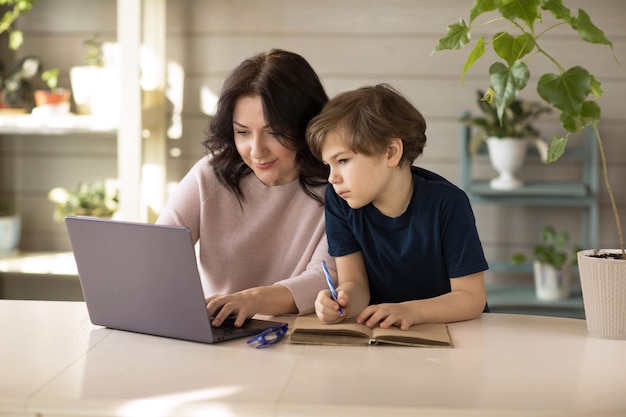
(331, 287)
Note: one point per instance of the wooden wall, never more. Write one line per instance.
(350, 43)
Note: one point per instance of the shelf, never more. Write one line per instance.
(533, 189)
(39, 276)
(520, 299)
(24, 124)
(142, 125)
(48, 263)
(582, 194)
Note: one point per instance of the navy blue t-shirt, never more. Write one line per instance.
(412, 256)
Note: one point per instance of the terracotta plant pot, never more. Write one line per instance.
(52, 103)
(603, 282)
(44, 98)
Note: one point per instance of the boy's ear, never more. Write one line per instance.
(395, 148)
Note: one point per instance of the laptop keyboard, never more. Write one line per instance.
(228, 327)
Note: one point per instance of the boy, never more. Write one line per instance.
(404, 239)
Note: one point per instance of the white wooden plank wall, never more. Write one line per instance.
(350, 43)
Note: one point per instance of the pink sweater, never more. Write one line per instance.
(278, 237)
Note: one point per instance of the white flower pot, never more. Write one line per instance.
(603, 283)
(96, 91)
(551, 284)
(10, 227)
(507, 156)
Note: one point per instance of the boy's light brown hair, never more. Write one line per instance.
(366, 118)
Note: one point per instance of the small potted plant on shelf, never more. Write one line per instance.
(552, 265)
(573, 92)
(95, 84)
(9, 229)
(52, 102)
(16, 86)
(96, 199)
(16, 91)
(506, 137)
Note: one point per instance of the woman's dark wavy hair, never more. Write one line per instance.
(291, 93)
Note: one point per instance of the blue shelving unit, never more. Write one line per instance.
(582, 194)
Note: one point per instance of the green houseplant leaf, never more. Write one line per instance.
(512, 48)
(570, 91)
(552, 250)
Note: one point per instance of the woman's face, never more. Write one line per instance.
(259, 148)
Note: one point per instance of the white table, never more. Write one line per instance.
(54, 362)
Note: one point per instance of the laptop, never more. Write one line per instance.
(143, 278)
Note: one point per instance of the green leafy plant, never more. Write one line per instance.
(13, 10)
(573, 92)
(93, 56)
(98, 199)
(552, 251)
(4, 209)
(51, 78)
(16, 87)
(517, 122)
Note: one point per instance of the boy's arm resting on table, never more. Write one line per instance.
(466, 301)
(352, 290)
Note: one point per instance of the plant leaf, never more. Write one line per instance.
(474, 56)
(548, 234)
(567, 91)
(596, 87)
(591, 112)
(588, 31)
(557, 148)
(507, 83)
(572, 123)
(16, 39)
(459, 34)
(561, 239)
(482, 6)
(558, 10)
(512, 48)
(527, 10)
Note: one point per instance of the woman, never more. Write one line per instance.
(255, 202)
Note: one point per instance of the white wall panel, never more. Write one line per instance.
(350, 43)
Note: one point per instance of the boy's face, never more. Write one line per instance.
(357, 178)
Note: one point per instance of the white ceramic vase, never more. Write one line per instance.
(507, 156)
(551, 284)
(10, 228)
(96, 91)
(603, 283)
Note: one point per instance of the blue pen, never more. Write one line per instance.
(331, 286)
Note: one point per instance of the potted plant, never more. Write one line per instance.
(16, 86)
(506, 137)
(54, 101)
(16, 92)
(552, 264)
(95, 85)
(9, 229)
(573, 93)
(97, 199)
